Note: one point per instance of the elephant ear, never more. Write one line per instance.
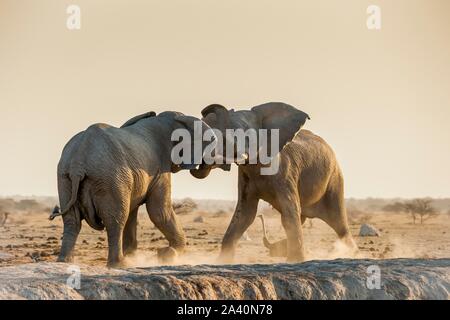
(138, 118)
(286, 118)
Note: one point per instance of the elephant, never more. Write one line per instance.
(308, 183)
(106, 173)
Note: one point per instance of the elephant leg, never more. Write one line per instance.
(335, 214)
(115, 240)
(243, 217)
(289, 204)
(159, 208)
(114, 217)
(336, 217)
(129, 233)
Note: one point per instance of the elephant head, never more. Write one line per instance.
(190, 136)
(287, 119)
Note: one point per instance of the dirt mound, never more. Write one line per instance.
(338, 279)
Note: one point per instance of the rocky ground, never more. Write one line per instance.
(338, 279)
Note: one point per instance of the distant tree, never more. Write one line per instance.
(409, 208)
(420, 208)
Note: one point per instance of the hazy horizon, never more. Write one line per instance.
(381, 99)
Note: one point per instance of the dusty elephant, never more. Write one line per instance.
(308, 183)
(106, 173)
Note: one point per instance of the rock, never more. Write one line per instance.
(339, 279)
(368, 230)
(199, 219)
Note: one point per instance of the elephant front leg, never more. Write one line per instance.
(292, 223)
(243, 217)
(129, 234)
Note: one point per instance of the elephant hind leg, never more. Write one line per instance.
(114, 217)
(160, 211)
(129, 233)
(166, 221)
(335, 214)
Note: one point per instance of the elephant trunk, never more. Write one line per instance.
(72, 227)
(202, 172)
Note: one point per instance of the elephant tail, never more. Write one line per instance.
(76, 181)
(266, 242)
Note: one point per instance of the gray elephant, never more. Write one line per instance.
(308, 183)
(105, 174)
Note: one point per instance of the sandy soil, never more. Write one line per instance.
(28, 238)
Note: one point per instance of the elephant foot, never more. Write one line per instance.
(129, 251)
(116, 264)
(225, 258)
(351, 249)
(278, 249)
(66, 259)
(351, 244)
(167, 255)
(297, 257)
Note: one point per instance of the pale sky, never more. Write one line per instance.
(380, 98)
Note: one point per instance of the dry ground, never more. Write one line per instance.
(28, 238)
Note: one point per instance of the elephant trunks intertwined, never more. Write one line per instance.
(105, 174)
